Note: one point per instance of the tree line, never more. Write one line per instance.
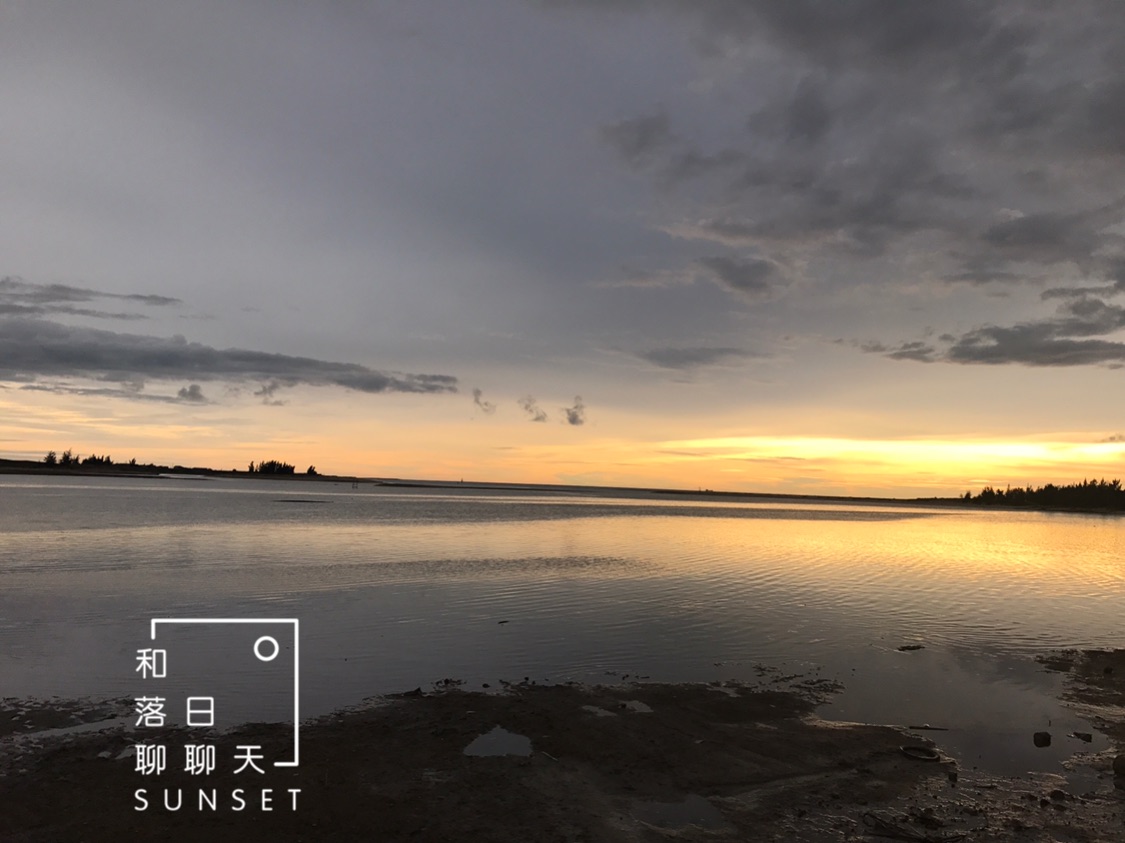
(68, 459)
(1089, 494)
(276, 467)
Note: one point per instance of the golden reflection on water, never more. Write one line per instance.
(943, 567)
(395, 590)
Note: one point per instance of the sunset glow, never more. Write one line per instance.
(726, 256)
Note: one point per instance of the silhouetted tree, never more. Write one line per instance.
(1089, 494)
(311, 471)
(51, 458)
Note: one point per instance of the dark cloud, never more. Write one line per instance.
(691, 357)
(995, 132)
(752, 276)
(1049, 237)
(33, 349)
(1069, 338)
(529, 406)
(22, 298)
(486, 407)
(192, 393)
(1029, 345)
(920, 351)
(576, 414)
(1081, 292)
(65, 310)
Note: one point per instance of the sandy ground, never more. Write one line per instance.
(644, 762)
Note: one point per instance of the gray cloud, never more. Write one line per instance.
(22, 298)
(486, 407)
(31, 348)
(751, 276)
(1054, 237)
(193, 393)
(130, 392)
(1069, 338)
(993, 133)
(691, 357)
(529, 406)
(17, 289)
(576, 414)
(917, 350)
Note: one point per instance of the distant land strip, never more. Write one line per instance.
(1089, 496)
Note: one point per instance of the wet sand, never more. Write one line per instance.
(644, 762)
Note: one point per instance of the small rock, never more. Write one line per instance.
(1041, 739)
(1119, 766)
(1082, 736)
(906, 648)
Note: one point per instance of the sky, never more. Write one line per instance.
(872, 248)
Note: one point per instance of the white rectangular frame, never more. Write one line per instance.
(296, 668)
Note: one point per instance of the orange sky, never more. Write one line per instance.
(409, 439)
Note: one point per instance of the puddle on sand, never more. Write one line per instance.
(675, 816)
(597, 711)
(500, 742)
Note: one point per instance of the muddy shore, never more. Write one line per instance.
(644, 762)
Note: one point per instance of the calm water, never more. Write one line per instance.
(400, 588)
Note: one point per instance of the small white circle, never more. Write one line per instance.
(271, 656)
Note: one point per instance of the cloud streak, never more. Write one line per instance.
(32, 349)
(22, 298)
(692, 357)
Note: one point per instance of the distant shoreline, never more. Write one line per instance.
(151, 471)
